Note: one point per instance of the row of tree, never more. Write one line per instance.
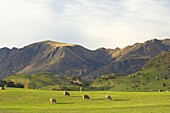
(11, 84)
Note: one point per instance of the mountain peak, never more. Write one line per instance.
(56, 44)
(50, 56)
(166, 41)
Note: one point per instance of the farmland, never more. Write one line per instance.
(15, 100)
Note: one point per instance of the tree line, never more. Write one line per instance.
(11, 84)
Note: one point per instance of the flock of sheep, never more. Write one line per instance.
(53, 100)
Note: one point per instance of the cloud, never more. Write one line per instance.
(92, 23)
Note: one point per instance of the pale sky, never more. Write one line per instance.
(90, 23)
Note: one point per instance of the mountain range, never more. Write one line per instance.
(154, 76)
(64, 59)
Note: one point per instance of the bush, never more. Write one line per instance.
(109, 76)
(19, 85)
(164, 84)
(12, 84)
(3, 83)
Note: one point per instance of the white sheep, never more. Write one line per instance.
(86, 97)
(108, 97)
(53, 100)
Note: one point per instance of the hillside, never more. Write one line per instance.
(158, 66)
(74, 60)
(47, 81)
(50, 57)
(154, 76)
(132, 58)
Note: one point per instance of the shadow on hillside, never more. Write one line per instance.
(98, 99)
(76, 96)
(65, 102)
(121, 99)
(113, 99)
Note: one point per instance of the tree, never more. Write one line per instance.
(3, 83)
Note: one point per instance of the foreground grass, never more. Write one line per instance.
(37, 101)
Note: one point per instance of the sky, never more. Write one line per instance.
(90, 23)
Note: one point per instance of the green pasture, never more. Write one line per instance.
(15, 100)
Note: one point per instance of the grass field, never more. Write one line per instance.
(15, 100)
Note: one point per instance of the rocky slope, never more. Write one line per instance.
(69, 59)
(132, 58)
(154, 76)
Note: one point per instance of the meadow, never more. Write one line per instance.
(15, 100)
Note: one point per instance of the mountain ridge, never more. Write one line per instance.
(153, 77)
(74, 60)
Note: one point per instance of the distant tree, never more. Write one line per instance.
(164, 84)
(19, 85)
(10, 84)
(63, 87)
(13, 84)
(3, 83)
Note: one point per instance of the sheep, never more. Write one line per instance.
(66, 93)
(3, 88)
(86, 97)
(108, 97)
(160, 90)
(81, 89)
(53, 100)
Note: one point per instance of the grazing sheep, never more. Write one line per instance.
(108, 97)
(53, 100)
(3, 88)
(66, 93)
(86, 97)
(160, 90)
(81, 89)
